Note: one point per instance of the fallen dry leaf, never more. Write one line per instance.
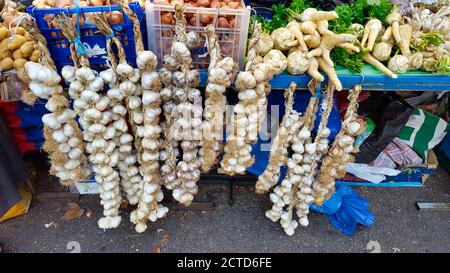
(125, 205)
(89, 213)
(73, 211)
(157, 249)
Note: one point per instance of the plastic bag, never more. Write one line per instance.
(346, 209)
(20, 207)
(390, 113)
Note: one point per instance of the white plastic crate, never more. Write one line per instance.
(232, 41)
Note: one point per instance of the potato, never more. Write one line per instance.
(234, 5)
(19, 63)
(6, 64)
(35, 56)
(5, 54)
(4, 33)
(19, 30)
(26, 49)
(4, 44)
(16, 54)
(205, 19)
(28, 37)
(215, 4)
(16, 42)
(203, 3)
(223, 23)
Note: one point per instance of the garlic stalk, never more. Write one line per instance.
(304, 194)
(249, 112)
(220, 73)
(148, 130)
(188, 113)
(339, 154)
(279, 148)
(285, 194)
(101, 118)
(124, 89)
(63, 138)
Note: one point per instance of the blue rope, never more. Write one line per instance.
(318, 92)
(77, 41)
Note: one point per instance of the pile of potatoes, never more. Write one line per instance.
(16, 50)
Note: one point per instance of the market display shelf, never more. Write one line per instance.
(370, 78)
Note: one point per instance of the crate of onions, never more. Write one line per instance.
(231, 19)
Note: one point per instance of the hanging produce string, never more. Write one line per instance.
(101, 118)
(339, 155)
(150, 193)
(303, 192)
(128, 170)
(280, 144)
(244, 120)
(220, 74)
(188, 110)
(63, 138)
(287, 193)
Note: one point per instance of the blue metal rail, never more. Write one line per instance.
(370, 78)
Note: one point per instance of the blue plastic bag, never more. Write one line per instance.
(346, 209)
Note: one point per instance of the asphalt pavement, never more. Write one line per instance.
(399, 226)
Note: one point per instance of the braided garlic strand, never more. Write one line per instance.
(220, 73)
(340, 153)
(63, 138)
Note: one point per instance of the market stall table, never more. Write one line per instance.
(370, 78)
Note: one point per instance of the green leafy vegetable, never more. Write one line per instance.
(426, 40)
(282, 14)
(353, 62)
(359, 12)
(443, 64)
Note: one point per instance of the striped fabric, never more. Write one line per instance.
(423, 131)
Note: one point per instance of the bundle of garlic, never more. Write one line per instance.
(220, 73)
(126, 85)
(151, 193)
(303, 192)
(339, 155)
(246, 114)
(101, 117)
(279, 149)
(63, 138)
(184, 123)
(285, 194)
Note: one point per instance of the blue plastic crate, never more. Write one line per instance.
(95, 42)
